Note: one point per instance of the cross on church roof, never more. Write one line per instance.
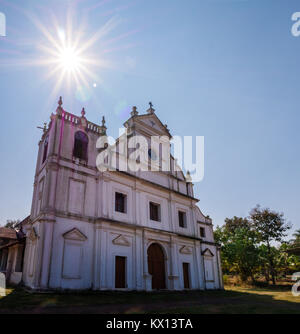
(151, 109)
(43, 128)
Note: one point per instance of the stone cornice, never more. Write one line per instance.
(98, 220)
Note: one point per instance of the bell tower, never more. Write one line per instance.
(68, 142)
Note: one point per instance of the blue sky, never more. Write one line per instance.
(227, 70)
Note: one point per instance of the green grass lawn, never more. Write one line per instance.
(231, 300)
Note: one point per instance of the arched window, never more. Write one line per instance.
(45, 150)
(81, 145)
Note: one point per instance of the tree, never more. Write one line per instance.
(239, 247)
(231, 224)
(263, 262)
(287, 263)
(11, 223)
(296, 242)
(271, 227)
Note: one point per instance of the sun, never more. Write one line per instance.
(69, 59)
(69, 54)
(72, 51)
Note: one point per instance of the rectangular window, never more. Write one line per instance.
(182, 218)
(120, 272)
(120, 203)
(202, 232)
(154, 211)
(80, 150)
(186, 275)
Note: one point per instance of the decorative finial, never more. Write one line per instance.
(188, 177)
(59, 109)
(151, 109)
(82, 112)
(103, 127)
(134, 111)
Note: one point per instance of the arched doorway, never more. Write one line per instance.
(156, 266)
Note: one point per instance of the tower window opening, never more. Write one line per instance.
(80, 146)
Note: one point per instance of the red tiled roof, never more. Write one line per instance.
(7, 233)
(11, 243)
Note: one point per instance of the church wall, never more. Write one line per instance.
(76, 193)
(187, 253)
(39, 186)
(32, 252)
(51, 188)
(74, 248)
(146, 198)
(118, 248)
(90, 262)
(90, 197)
(189, 224)
(128, 216)
(71, 261)
(67, 142)
(182, 187)
(193, 279)
(156, 177)
(211, 267)
(62, 189)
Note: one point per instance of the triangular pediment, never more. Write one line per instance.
(74, 234)
(186, 250)
(121, 240)
(207, 252)
(152, 124)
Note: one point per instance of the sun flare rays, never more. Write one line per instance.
(69, 51)
(69, 54)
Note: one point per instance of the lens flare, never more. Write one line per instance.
(69, 59)
(69, 53)
(73, 55)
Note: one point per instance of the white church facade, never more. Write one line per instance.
(107, 230)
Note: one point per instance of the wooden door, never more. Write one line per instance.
(120, 272)
(186, 275)
(156, 266)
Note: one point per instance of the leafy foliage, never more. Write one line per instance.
(248, 245)
(271, 227)
(11, 223)
(296, 242)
